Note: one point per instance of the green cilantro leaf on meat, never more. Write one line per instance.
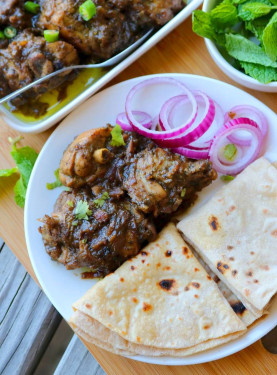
(117, 138)
(82, 211)
(100, 202)
(7, 172)
(55, 184)
(183, 192)
(70, 203)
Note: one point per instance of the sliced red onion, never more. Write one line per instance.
(250, 112)
(192, 154)
(166, 112)
(199, 127)
(154, 134)
(144, 118)
(249, 153)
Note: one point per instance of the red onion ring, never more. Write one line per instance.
(204, 124)
(154, 134)
(249, 153)
(144, 118)
(192, 154)
(250, 112)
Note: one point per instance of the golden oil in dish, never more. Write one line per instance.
(51, 102)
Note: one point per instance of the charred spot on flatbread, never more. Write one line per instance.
(185, 250)
(88, 306)
(146, 307)
(168, 253)
(195, 285)
(144, 253)
(249, 273)
(133, 268)
(167, 284)
(222, 267)
(213, 223)
(238, 307)
(196, 269)
(234, 272)
(229, 247)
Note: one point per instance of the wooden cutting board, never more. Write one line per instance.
(180, 52)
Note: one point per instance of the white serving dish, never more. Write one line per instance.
(42, 125)
(62, 286)
(228, 69)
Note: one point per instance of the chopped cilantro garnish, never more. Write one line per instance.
(183, 192)
(230, 151)
(70, 203)
(117, 138)
(84, 240)
(75, 222)
(55, 184)
(82, 210)
(227, 178)
(99, 202)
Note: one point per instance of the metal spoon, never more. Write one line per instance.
(269, 341)
(110, 62)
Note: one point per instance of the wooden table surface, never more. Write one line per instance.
(181, 52)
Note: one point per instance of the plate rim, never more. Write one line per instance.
(172, 361)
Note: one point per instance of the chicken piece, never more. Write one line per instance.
(29, 57)
(12, 13)
(158, 180)
(110, 235)
(90, 157)
(116, 24)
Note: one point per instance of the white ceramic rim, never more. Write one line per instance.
(251, 336)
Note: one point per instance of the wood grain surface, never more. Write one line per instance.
(180, 52)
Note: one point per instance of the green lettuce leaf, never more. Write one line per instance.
(270, 38)
(243, 49)
(261, 73)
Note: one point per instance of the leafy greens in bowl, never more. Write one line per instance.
(244, 39)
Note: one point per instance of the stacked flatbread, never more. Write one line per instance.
(162, 302)
(165, 300)
(235, 233)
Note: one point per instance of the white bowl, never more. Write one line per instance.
(227, 68)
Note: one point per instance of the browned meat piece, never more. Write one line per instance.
(29, 57)
(12, 13)
(158, 180)
(154, 178)
(116, 25)
(90, 157)
(112, 233)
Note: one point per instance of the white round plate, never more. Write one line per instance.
(63, 287)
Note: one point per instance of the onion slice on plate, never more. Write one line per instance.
(250, 112)
(199, 129)
(144, 118)
(154, 134)
(248, 154)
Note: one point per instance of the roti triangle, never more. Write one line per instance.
(162, 298)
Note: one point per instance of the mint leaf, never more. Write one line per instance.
(261, 73)
(250, 11)
(202, 26)
(270, 38)
(243, 49)
(55, 184)
(257, 26)
(7, 172)
(117, 138)
(82, 210)
(25, 158)
(224, 15)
